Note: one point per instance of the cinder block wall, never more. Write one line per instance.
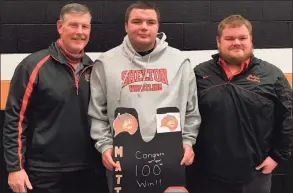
(27, 26)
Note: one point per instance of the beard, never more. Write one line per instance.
(235, 59)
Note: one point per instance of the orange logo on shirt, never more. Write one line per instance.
(145, 80)
(253, 78)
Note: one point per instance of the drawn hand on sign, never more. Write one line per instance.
(188, 155)
(108, 160)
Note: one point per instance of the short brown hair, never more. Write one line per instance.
(141, 5)
(234, 21)
(74, 8)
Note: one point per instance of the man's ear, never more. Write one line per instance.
(59, 26)
(126, 27)
(218, 41)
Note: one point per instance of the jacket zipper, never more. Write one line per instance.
(76, 81)
(225, 77)
(82, 71)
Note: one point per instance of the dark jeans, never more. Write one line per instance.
(261, 183)
(84, 181)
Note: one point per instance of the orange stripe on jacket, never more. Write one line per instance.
(25, 99)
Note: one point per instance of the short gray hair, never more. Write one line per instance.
(74, 8)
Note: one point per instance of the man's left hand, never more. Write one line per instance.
(267, 166)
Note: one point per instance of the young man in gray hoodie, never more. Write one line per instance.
(145, 74)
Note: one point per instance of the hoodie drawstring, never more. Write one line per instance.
(143, 80)
(145, 71)
(119, 97)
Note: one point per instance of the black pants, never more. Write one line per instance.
(261, 183)
(84, 181)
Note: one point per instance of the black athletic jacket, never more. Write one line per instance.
(244, 119)
(46, 124)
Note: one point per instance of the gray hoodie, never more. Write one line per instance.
(162, 78)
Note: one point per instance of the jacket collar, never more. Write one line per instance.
(56, 54)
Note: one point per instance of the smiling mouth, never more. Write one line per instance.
(80, 39)
(236, 49)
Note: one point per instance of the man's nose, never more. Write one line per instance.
(144, 25)
(236, 41)
(79, 30)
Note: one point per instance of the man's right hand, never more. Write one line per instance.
(19, 181)
(108, 160)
